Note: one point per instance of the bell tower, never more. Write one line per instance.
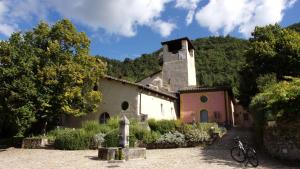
(178, 64)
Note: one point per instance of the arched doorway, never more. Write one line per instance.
(104, 117)
(203, 116)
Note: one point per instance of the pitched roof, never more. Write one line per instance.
(157, 72)
(193, 89)
(169, 95)
(179, 40)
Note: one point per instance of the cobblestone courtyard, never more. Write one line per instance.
(216, 156)
(181, 158)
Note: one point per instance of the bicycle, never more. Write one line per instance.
(242, 152)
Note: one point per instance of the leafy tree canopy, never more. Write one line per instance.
(46, 73)
(273, 50)
(279, 99)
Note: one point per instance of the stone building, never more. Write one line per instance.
(171, 93)
(178, 69)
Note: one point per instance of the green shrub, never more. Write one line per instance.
(72, 140)
(138, 131)
(196, 136)
(207, 127)
(112, 139)
(113, 122)
(164, 126)
(151, 137)
(103, 128)
(172, 138)
(92, 127)
(59, 131)
(132, 141)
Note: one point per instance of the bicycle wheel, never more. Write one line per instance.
(237, 154)
(252, 157)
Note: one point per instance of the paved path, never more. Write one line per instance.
(216, 156)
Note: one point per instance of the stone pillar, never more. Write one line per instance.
(124, 132)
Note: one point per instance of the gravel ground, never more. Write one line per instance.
(180, 158)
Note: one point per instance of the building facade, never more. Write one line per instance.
(207, 105)
(171, 93)
(134, 100)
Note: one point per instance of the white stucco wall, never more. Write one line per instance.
(114, 93)
(157, 107)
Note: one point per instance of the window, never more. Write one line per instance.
(125, 105)
(217, 115)
(203, 115)
(203, 99)
(103, 118)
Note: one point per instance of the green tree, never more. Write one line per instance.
(219, 60)
(273, 50)
(279, 102)
(47, 73)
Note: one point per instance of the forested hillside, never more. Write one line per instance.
(218, 60)
(134, 69)
(295, 27)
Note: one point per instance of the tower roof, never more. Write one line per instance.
(179, 40)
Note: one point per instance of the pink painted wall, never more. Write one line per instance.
(191, 105)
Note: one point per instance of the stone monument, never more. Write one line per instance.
(124, 132)
(123, 152)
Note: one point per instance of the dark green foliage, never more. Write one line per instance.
(150, 137)
(163, 126)
(46, 73)
(112, 139)
(295, 27)
(273, 50)
(219, 60)
(72, 140)
(138, 132)
(91, 127)
(134, 70)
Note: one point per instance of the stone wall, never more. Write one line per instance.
(34, 143)
(279, 145)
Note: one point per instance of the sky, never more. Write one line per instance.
(122, 29)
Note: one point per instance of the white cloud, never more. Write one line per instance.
(27, 10)
(5, 28)
(189, 5)
(120, 17)
(164, 28)
(243, 15)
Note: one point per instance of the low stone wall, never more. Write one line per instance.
(281, 145)
(34, 143)
(117, 153)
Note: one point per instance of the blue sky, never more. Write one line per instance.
(129, 28)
